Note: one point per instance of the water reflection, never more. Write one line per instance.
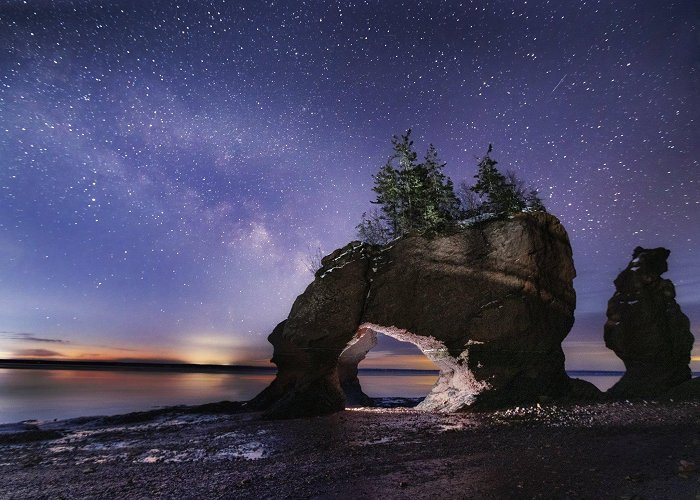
(410, 385)
(59, 394)
(401, 384)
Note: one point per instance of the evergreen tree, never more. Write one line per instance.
(502, 194)
(373, 229)
(419, 197)
(533, 202)
(412, 196)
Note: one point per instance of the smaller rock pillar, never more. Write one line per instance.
(647, 329)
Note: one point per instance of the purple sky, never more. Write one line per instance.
(165, 167)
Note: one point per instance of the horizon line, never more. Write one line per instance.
(165, 365)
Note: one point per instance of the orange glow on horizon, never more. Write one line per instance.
(119, 355)
(398, 361)
(373, 360)
(579, 355)
(208, 348)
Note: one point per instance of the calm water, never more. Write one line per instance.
(50, 394)
(381, 385)
(60, 394)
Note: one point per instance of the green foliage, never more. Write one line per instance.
(413, 196)
(500, 194)
(418, 197)
(373, 229)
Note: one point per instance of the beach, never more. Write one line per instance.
(604, 450)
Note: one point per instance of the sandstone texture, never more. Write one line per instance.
(647, 329)
(489, 305)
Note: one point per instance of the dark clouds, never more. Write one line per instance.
(29, 337)
(36, 353)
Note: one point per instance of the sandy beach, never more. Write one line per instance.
(607, 450)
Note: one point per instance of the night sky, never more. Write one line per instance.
(166, 168)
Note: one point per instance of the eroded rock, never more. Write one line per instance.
(489, 305)
(647, 329)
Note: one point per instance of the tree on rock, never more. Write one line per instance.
(413, 196)
(499, 194)
(373, 229)
(419, 197)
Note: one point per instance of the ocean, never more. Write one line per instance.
(38, 394)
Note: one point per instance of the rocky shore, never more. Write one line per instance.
(603, 450)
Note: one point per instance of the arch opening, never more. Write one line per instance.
(455, 387)
(396, 373)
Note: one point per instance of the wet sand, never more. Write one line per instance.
(610, 450)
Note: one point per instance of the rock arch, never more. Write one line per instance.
(490, 305)
(455, 388)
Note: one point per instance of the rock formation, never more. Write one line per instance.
(489, 305)
(647, 329)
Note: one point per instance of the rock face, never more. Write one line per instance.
(647, 329)
(489, 305)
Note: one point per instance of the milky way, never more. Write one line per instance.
(166, 168)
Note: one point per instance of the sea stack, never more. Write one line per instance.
(647, 329)
(489, 305)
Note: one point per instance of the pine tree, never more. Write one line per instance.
(373, 229)
(502, 194)
(419, 197)
(412, 196)
(533, 202)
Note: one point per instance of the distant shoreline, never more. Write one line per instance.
(50, 364)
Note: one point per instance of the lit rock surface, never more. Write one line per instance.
(489, 305)
(647, 329)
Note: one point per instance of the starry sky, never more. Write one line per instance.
(167, 168)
